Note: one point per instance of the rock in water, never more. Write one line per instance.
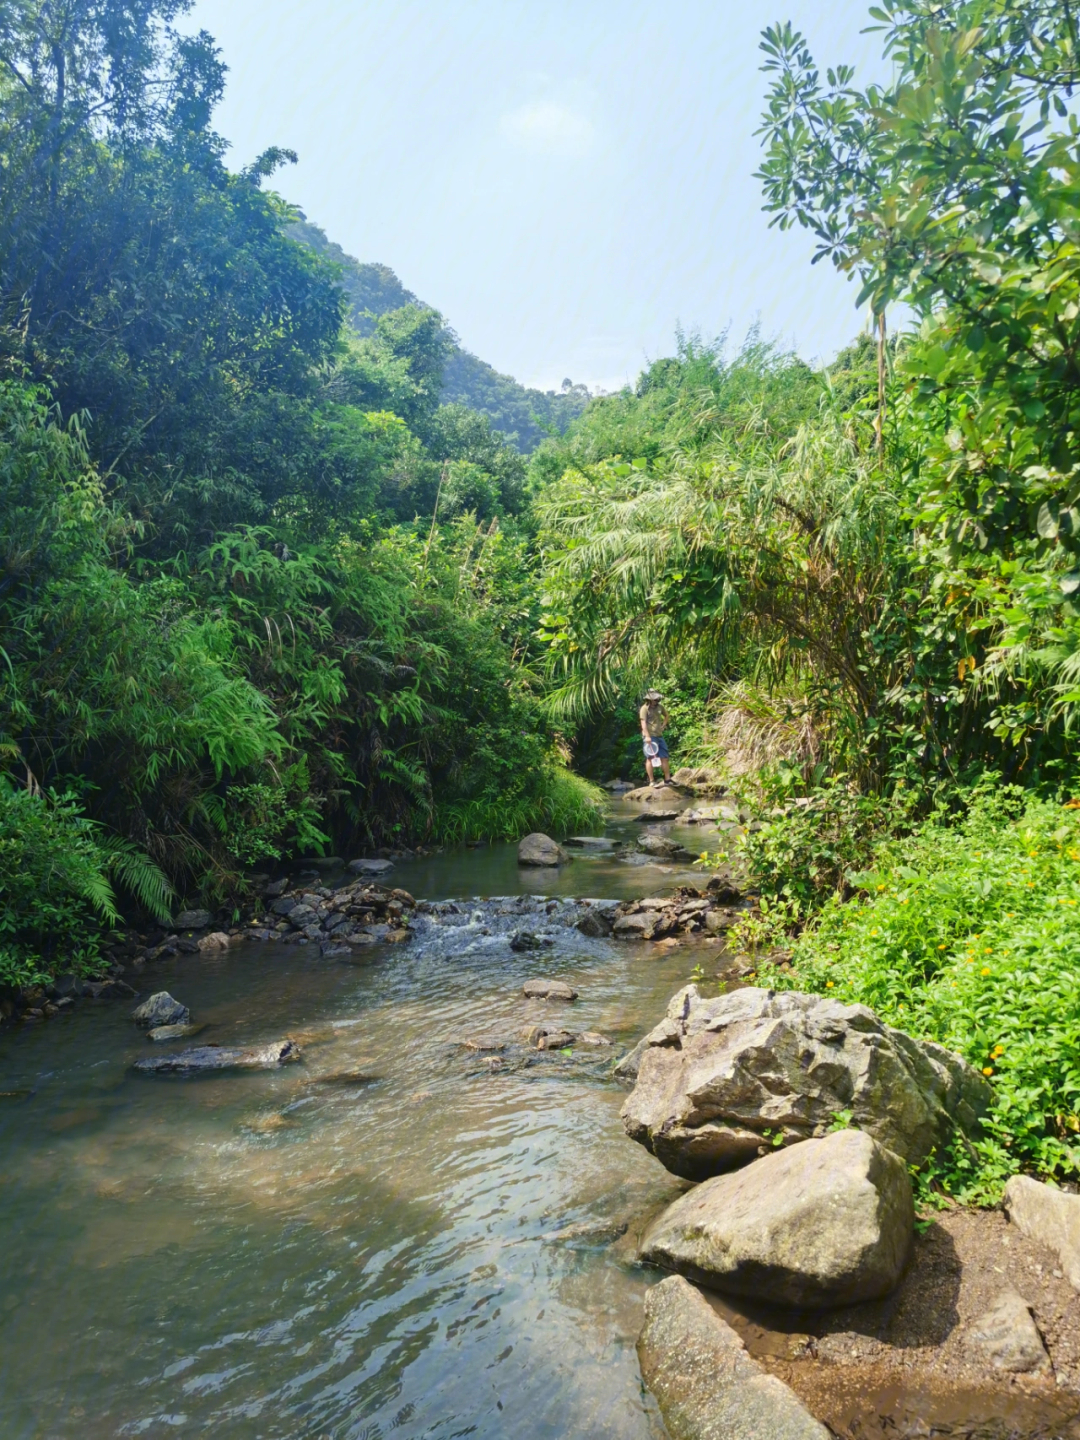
(549, 990)
(161, 1033)
(1049, 1216)
(217, 940)
(715, 1074)
(1007, 1334)
(522, 940)
(825, 1223)
(596, 924)
(370, 867)
(538, 849)
(659, 845)
(707, 1386)
(206, 1058)
(161, 1009)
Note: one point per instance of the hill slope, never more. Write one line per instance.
(522, 414)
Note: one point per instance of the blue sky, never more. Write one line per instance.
(566, 182)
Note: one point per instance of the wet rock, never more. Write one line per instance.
(828, 1222)
(522, 940)
(654, 795)
(344, 1078)
(540, 850)
(186, 946)
(396, 937)
(204, 1059)
(179, 1031)
(719, 921)
(1049, 1216)
(649, 817)
(278, 887)
(485, 1044)
(707, 1386)
(724, 889)
(107, 989)
(599, 843)
(549, 990)
(193, 919)
(595, 924)
(595, 1039)
(556, 1040)
(1008, 1336)
(638, 926)
(161, 1009)
(370, 867)
(627, 1068)
(659, 845)
(216, 940)
(618, 787)
(715, 1074)
(285, 905)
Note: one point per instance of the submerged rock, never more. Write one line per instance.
(206, 1058)
(715, 1074)
(549, 990)
(829, 1222)
(179, 1031)
(707, 1386)
(600, 843)
(660, 846)
(541, 850)
(370, 867)
(522, 940)
(161, 1009)
(1049, 1216)
(216, 940)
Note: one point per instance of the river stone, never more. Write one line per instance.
(591, 842)
(538, 849)
(556, 1040)
(522, 940)
(161, 1009)
(635, 927)
(658, 845)
(707, 1386)
(715, 1074)
(649, 817)
(828, 1222)
(595, 924)
(207, 1058)
(1008, 1336)
(193, 919)
(1049, 1216)
(161, 1033)
(216, 940)
(370, 867)
(549, 990)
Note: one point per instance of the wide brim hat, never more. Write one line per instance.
(653, 695)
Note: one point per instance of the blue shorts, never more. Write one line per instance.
(661, 749)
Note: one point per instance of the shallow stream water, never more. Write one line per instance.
(422, 1250)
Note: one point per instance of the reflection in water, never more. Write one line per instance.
(421, 1252)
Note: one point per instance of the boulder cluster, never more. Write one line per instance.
(686, 912)
(338, 921)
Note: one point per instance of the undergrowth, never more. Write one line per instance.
(966, 932)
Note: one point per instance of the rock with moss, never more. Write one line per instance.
(722, 1080)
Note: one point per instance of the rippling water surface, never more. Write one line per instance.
(260, 1255)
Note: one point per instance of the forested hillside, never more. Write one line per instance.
(524, 416)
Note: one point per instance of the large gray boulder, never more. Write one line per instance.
(707, 1386)
(825, 1223)
(1049, 1216)
(716, 1074)
(161, 1009)
(538, 849)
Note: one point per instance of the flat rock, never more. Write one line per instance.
(591, 842)
(659, 845)
(650, 816)
(370, 867)
(595, 1039)
(161, 1009)
(549, 990)
(653, 795)
(1049, 1216)
(161, 1033)
(204, 1059)
(639, 926)
(617, 787)
(485, 1044)
(707, 1386)
(715, 1074)
(193, 919)
(540, 850)
(556, 1040)
(828, 1222)
(1008, 1336)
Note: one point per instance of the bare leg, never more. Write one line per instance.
(648, 772)
(667, 768)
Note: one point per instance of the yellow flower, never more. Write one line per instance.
(942, 947)
(985, 970)
(997, 1052)
(988, 951)
(881, 887)
(875, 931)
(987, 1070)
(828, 985)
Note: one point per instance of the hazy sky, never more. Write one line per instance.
(566, 182)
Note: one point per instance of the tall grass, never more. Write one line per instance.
(556, 801)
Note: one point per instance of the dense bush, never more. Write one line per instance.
(966, 933)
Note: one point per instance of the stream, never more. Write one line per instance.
(421, 1250)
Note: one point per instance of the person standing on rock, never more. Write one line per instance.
(654, 721)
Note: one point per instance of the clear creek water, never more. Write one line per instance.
(421, 1251)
